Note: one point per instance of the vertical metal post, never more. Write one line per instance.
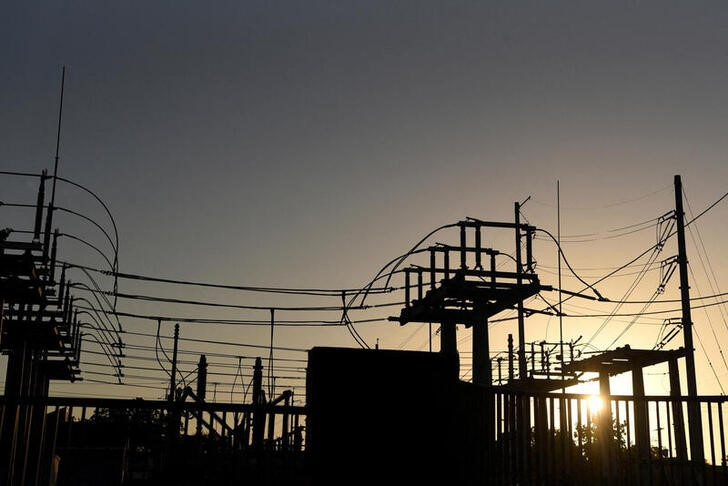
(271, 378)
(433, 263)
(482, 373)
(49, 214)
(39, 207)
(500, 370)
(492, 267)
(429, 329)
(448, 337)
(58, 138)
(446, 263)
(478, 256)
(511, 374)
(463, 241)
(47, 233)
(419, 284)
(407, 287)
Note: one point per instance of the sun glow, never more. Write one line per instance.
(595, 403)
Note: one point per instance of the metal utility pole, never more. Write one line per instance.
(696, 429)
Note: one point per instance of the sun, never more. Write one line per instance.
(595, 403)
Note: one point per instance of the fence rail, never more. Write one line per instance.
(532, 438)
(573, 438)
(67, 439)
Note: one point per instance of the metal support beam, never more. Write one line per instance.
(448, 338)
(482, 373)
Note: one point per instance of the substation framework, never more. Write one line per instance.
(470, 296)
(40, 334)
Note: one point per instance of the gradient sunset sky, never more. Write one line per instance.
(283, 143)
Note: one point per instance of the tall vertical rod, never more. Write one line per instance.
(562, 402)
(173, 375)
(696, 429)
(511, 374)
(519, 270)
(463, 246)
(39, 207)
(49, 214)
(478, 255)
(201, 389)
(202, 378)
(558, 249)
(270, 356)
(58, 136)
(258, 410)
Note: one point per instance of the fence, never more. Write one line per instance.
(548, 438)
(115, 441)
(575, 438)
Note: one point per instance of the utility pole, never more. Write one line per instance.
(696, 428)
(202, 378)
(519, 281)
(173, 408)
(201, 388)
(258, 409)
(173, 375)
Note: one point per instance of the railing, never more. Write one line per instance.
(129, 440)
(576, 438)
(548, 438)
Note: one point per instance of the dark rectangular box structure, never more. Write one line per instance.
(386, 416)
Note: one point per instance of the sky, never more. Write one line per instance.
(305, 144)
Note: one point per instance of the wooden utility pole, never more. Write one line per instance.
(173, 375)
(521, 326)
(694, 419)
(258, 408)
(202, 378)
